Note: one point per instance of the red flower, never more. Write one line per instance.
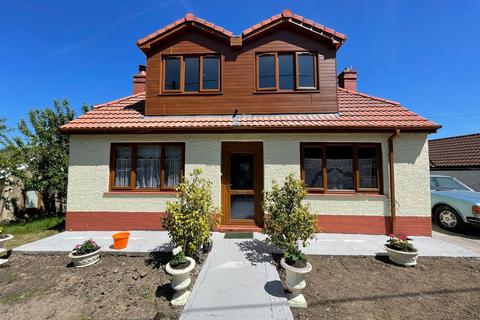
(391, 235)
(403, 238)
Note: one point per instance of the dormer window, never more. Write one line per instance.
(286, 71)
(191, 74)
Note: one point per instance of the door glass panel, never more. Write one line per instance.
(241, 171)
(242, 206)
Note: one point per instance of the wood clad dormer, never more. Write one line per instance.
(286, 64)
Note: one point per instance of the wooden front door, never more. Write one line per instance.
(242, 183)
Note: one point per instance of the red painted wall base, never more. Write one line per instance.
(115, 221)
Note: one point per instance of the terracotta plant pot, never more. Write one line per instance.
(120, 240)
(180, 282)
(86, 259)
(295, 281)
(403, 258)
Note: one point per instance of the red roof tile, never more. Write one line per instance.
(356, 111)
(189, 18)
(460, 151)
(287, 14)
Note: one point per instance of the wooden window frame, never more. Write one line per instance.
(133, 170)
(296, 87)
(315, 72)
(201, 89)
(275, 69)
(356, 171)
(182, 91)
(164, 68)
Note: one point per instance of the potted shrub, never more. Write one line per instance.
(401, 251)
(85, 254)
(179, 268)
(189, 222)
(289, 224)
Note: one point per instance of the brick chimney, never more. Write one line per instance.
(348, 79)
(140, 80)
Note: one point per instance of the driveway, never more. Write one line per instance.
(468, 239)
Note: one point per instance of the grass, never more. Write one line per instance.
(25, 232)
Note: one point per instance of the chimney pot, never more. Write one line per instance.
(140, 80)
(347, 79)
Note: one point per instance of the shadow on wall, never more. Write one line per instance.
(406, 149)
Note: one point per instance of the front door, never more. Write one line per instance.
(242, 183)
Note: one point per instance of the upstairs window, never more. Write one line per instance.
(286, 71)
(146, 166)
(191, 74)
(341, 167)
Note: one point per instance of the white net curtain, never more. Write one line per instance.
(148, 166)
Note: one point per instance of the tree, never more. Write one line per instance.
(191, 218)
(289, 221)
(38, 156)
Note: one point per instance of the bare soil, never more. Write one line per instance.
(374, 288)
(117, 287)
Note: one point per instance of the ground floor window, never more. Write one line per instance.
(342, 167)
(146, 166)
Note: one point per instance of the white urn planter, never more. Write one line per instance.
(3, 241)
(403, 258)
(180, 282)
(295, 281)
(86, 259)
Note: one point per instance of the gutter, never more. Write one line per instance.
(391, 162)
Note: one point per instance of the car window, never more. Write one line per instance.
(446, 183)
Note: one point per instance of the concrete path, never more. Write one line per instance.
(469, 242)
(237, 281)
(139, 243)
(371, 245)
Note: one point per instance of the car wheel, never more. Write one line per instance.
(448, 218)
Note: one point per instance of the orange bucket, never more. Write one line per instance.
(120, 240)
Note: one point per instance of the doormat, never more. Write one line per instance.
(239, 235)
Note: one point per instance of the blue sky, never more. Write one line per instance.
(421, 53)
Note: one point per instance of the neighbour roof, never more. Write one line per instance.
(335, 37)
(460, 151)
(356, 111)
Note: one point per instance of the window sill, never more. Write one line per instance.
(214, 93)
(346, 194)
(141, 193)
(287, 92)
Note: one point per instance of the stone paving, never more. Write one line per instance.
(139, 243)
(238, 281)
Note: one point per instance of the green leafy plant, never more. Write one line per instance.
(289, 221)
(179, 260)
(2, 234)
(191, 218)
(400, 243)
(87, 247)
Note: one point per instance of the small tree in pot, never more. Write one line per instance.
(189, 224)
(289, 224)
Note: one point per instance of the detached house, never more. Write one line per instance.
(247, 109)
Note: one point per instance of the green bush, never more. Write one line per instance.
(289, 221)
(191, 217)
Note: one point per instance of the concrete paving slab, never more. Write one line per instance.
(371, 245)
(469, 242)
(139, 243)
(238, 281)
